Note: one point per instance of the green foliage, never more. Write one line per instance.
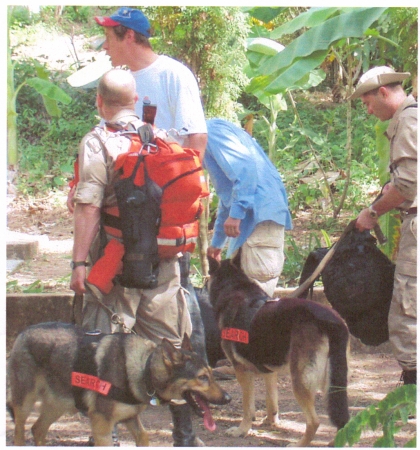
(48, 145)
(325, 129)
(79, 14)
(68, 18)
(50, 93)
(295, 254)
(211, 42)
(389, 414)
(34, 288)
(399, 25)
(310, 49)
(21, 16)
(263, 13)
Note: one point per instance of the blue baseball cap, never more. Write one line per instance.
(129, 17)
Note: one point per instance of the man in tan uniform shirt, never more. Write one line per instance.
(381, 92)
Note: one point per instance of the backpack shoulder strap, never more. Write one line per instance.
(145, 131)
(105, 152)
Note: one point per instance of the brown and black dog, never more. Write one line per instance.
(111, 378)
(261, 335)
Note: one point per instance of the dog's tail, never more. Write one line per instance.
(8, 398)
(338, 409)
(9, 409)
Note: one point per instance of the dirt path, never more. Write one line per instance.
(372, 377)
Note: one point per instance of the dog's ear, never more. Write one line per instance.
(171, 355)
(186, 343)
(213, 265)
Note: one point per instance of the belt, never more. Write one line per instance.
(411, 211)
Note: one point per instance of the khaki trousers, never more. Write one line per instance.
(262, 256)
(151, 313)
(402, 319)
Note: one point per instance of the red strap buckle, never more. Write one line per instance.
(236, 335)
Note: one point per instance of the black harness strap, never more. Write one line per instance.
(85, 364)
(109, 220)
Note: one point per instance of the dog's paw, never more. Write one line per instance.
(304, 442)
(273, 422)
(237, 431)
(198, 442)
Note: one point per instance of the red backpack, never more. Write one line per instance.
(159, 194)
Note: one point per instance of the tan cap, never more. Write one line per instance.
(375, 78)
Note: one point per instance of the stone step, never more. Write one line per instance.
(20, 246)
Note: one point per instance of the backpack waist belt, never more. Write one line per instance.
(112, 226)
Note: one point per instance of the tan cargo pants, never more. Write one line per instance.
(151, 313)
(402, 319)
(262, 256)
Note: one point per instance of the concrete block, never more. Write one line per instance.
(23, 310)
(21, 246)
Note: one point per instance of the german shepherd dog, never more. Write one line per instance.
(110, 378)
(261, 335)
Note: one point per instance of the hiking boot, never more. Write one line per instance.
(409, 377)
(183, 433)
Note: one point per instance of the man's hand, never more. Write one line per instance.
(77, 282)
(215, 253)
(365, 221)
(231, 227)
(390, 198)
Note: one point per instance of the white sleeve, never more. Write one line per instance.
(188, 109)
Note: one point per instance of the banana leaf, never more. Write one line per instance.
(308, 51)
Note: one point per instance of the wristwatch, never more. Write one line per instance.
(75, 264)
(372, 212)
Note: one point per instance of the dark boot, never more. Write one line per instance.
(409, 376)
(183, 433)
(198, 338)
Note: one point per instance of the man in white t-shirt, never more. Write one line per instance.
(166, 82)
(172, 87)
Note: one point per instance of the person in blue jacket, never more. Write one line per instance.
(253, 211)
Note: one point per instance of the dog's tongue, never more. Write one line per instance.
(208, 419)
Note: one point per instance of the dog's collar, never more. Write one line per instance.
(155, 398)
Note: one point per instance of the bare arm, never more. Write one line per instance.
(86, 226)
(197, 141)
(70, 200)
